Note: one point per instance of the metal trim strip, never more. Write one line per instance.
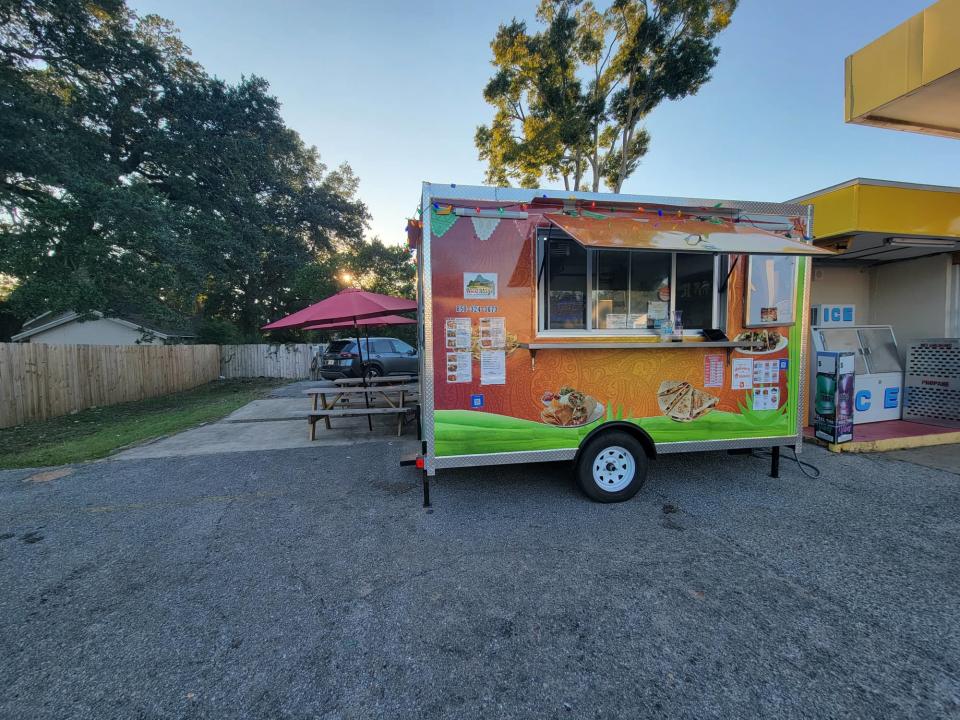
(707, 445)
(449, 191)
(804, 338)
(427, 381)
(523, 456)
(803, 369)
(528, 456)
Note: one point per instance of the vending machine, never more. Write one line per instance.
(833, 401)
(878, 391)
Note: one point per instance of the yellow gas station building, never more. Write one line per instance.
(909, 78)
(898, 244)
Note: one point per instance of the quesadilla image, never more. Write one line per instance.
(703, 402)
(682, 402)
(670, 393)
(569, 408)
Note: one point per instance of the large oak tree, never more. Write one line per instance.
(132, 181)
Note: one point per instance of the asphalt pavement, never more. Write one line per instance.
(309, 583)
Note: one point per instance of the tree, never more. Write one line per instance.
(570, 100)
(131, 181)
(373, 266)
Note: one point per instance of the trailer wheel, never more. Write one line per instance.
(612, 467)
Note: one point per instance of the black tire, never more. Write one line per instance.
(373, 371)
(611, 454)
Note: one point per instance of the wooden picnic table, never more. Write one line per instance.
(380, 380)
(395, 396)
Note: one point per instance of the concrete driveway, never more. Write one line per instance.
(277, 422)
(309, 583)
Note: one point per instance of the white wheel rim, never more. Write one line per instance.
(613, 468)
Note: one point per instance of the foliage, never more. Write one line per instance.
(132, 182)
(217, 331)
(373, 266)
(570, 99)
(95, 433)
(7, 284)
(10, 322)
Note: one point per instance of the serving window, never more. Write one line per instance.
(621, 291)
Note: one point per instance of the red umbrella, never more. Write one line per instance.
(349, 307)
(366, 322)
(350, 304)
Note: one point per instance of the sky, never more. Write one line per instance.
(395, 89)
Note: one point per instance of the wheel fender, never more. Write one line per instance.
(638, 432)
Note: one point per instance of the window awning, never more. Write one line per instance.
(679, 235)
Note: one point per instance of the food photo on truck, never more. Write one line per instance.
(607, 329)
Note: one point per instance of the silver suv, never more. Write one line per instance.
(381, 356)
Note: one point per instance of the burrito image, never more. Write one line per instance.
(569, 408)
(680, 401)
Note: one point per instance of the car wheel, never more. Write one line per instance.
(374, 371)
(612, 467)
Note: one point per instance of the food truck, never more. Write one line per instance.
(607, 329)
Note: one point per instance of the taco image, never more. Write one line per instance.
(569, 408)
(682, 402)
(764, 341)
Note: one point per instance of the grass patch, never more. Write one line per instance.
(95, 433)
(468, 432)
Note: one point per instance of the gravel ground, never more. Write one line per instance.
(293, 584)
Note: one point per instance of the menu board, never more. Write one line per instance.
(713, 371)
(493, 333)
(459, 367)
(766, 398)
(493, 367)
(741, 376)
(458, 333)
(766, 372)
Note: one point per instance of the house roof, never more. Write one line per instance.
(48, 321)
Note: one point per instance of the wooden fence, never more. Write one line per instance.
(39, 381)
(277, 361)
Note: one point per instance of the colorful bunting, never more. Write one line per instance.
(595, 216)
(484, 226)
(440, 222)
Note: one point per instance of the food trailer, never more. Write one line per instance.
(607, 329)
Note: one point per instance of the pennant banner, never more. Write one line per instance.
(439, 224)
(484, 226)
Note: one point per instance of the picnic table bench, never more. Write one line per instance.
(380, 380)
(396, 398)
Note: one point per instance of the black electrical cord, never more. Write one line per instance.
(813, 472)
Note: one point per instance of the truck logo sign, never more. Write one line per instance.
(480, 286)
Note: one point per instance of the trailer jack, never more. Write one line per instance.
(418, 462)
